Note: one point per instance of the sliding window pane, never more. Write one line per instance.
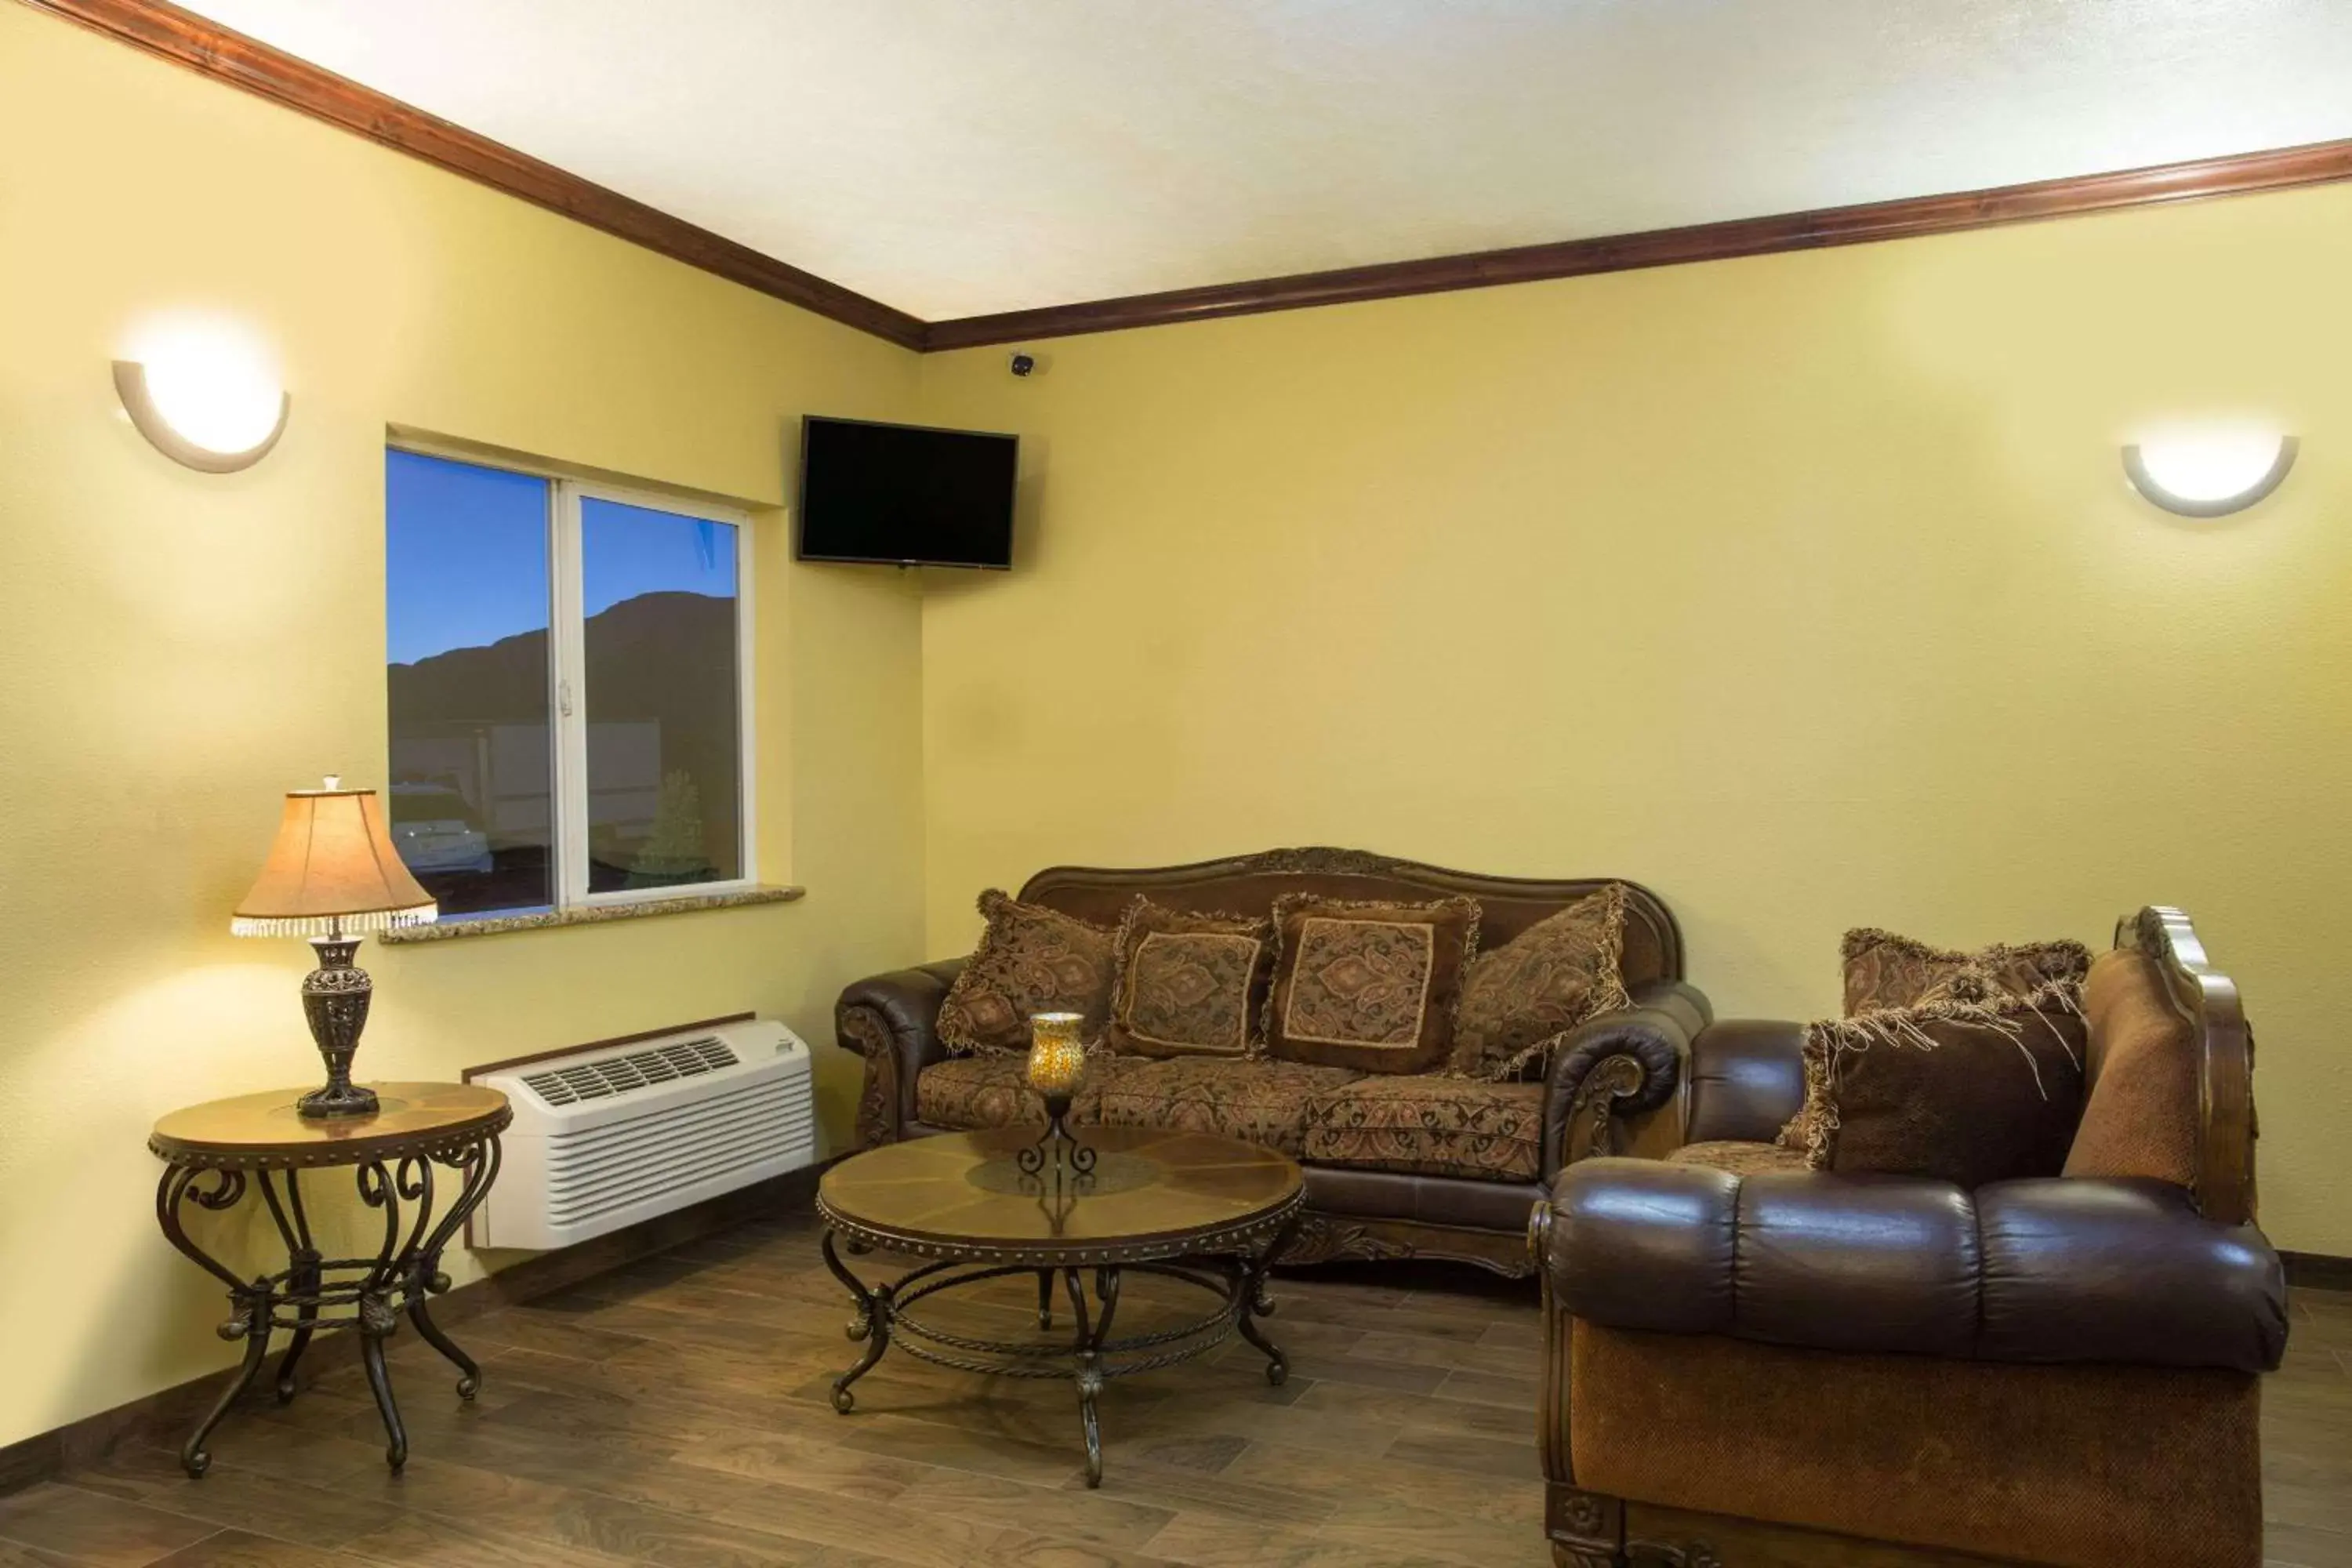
(664, 746)
(466, 590)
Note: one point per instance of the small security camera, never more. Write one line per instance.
(1023, 364)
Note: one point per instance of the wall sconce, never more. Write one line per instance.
(2209, 474)
(204, 398)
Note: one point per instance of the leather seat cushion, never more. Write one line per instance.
(1262, 1101)
(969, 1094)
(1429, 1125)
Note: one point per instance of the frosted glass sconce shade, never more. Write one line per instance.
(2210, 475)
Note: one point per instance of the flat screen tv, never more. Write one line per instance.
(904, 495)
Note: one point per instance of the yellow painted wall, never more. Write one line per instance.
(176, 649)
(1805, 589)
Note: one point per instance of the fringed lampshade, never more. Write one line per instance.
(333, 869)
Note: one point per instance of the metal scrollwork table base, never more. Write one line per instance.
(216, 1153)
(1214, 1213)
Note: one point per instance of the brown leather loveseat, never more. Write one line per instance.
(1752, 1364)
(1613, 1066)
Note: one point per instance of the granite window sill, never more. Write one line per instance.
(463, 926)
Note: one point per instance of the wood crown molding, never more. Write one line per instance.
(187, 39)
(1911, 217)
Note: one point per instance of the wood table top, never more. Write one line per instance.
(266, 1130)
(1152, 1192)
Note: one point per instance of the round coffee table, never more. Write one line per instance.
(1212, 1212)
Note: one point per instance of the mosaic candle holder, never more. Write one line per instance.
(1057, 1060)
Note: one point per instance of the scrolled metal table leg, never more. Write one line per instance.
(469, 1373)
(1088, 1351)
(252, 1327)
(1044, 1298)
(1251, 1301)
(872, 1325)
(249, 1303)
(303, 1278)
(478, 1167)
(379, 1319)
(377, 1322)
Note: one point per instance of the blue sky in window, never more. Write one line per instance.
(466, 557)
(625, 551)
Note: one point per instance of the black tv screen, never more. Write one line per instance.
(904, 495)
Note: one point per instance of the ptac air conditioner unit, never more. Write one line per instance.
(615, 1134)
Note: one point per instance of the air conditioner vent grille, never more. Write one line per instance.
(613, 1075)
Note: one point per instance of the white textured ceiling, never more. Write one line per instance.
(953, 157)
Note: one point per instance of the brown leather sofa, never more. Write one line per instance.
(1745, 1364)
(1614, 1066)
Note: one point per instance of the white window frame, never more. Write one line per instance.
(567, 677)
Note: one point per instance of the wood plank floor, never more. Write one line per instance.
(675, 1413)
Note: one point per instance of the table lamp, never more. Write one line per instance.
(333, 876)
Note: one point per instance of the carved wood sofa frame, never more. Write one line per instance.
(1611, 1069)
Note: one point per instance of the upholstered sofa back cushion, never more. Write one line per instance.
(1248, 884)
(2140, 1107)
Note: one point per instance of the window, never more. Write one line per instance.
(569, 689)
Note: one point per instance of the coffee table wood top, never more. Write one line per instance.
(265, 1131)
(1154, 1193)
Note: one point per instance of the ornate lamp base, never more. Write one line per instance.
(335, 997)
(347, 1099)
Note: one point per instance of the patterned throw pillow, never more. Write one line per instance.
(1883, 969)
(1960, 1092)
(1519, 999)
(1187, 986)
(1030, 960)
(1369, 985)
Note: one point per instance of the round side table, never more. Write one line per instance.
(213, 1153)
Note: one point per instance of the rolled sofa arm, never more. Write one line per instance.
(1746, 1079)
(892, 1020)
(1617, 1065)
(2053, 1269)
